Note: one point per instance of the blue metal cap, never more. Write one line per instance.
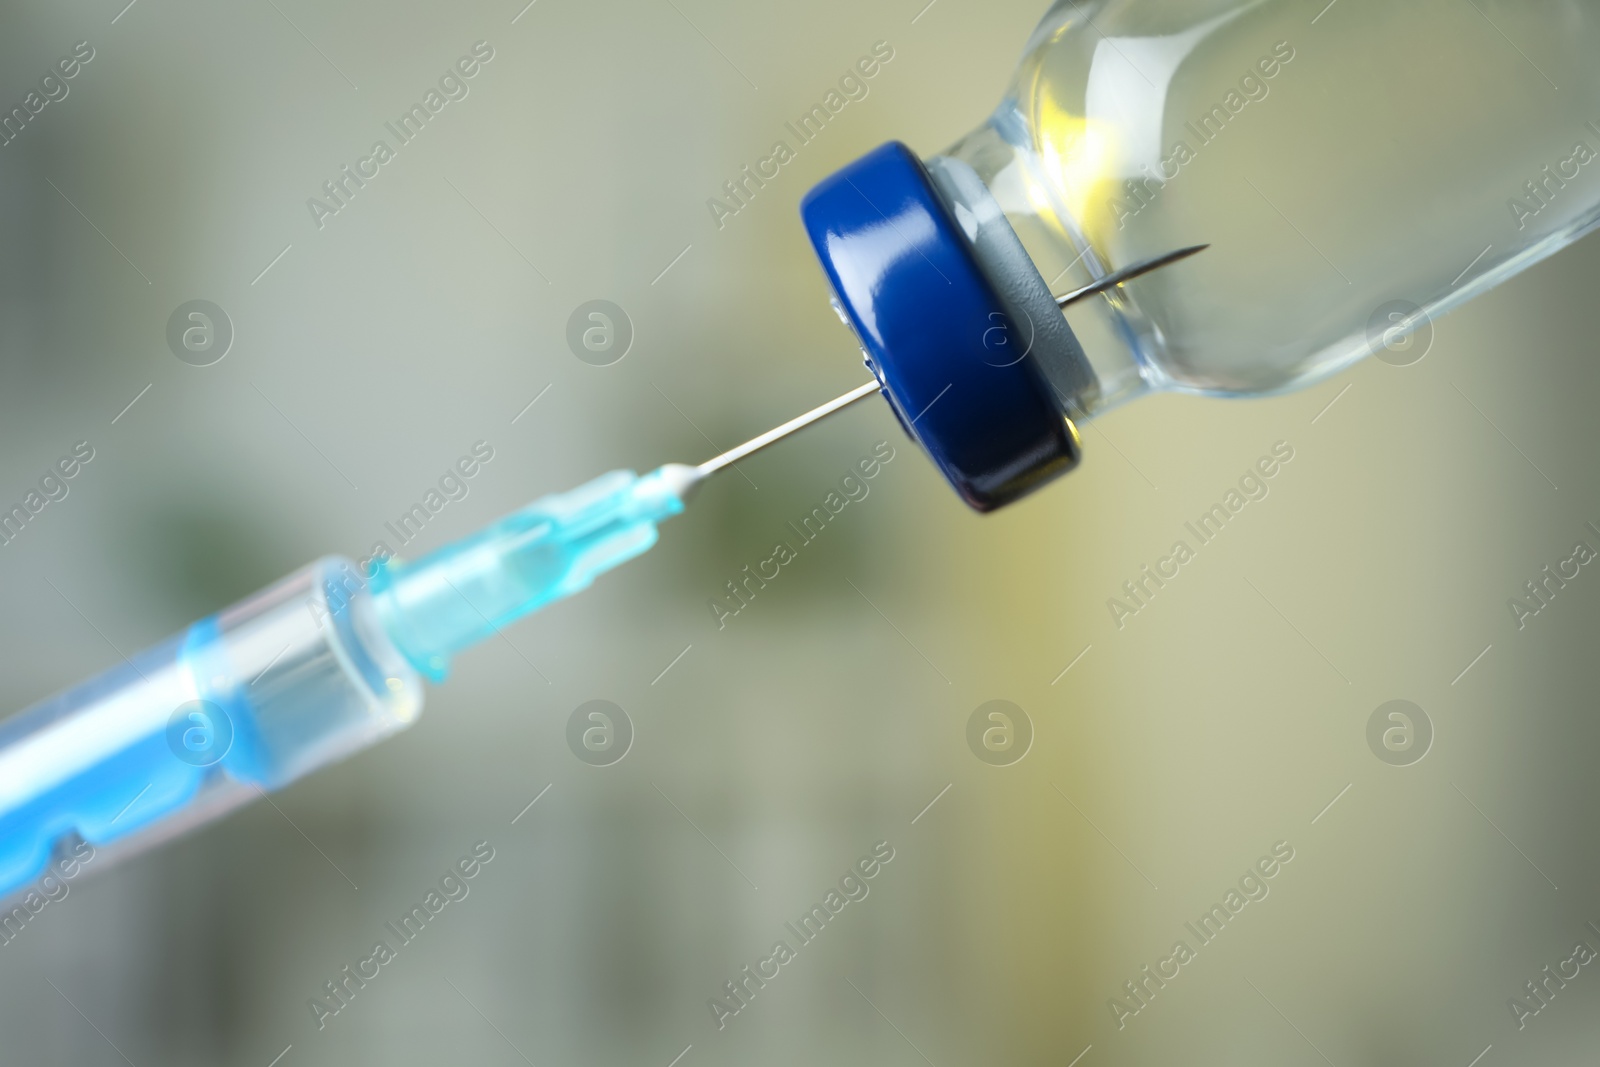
(935, 331)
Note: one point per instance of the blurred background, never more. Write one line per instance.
(832, 713)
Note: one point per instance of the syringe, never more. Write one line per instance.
(307, 671)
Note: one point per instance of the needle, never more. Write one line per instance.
(866, 389)
(756, 444)
(1128, 273)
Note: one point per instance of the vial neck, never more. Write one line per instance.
(1090, 357)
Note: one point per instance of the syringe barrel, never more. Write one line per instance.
(293, 678)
